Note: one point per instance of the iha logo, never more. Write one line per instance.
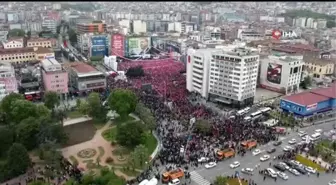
(277, 34)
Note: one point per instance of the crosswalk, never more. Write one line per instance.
(196, 177)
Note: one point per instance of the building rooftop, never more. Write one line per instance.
(16, 50)
(38, 39)
(81, 67)
(42, 50)
(305, 98)
(329, 92)
(317, 60)
(51, 65)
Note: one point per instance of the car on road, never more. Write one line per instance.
(333, 182)
(318, 131)
(265, 158)
(288, 148)
(301, 169)
(277, 143)
(304, 138)
(292, 141)
(302, 133)
(256, 152)
(210, 165)
(174, 182)
(247, 171)
(235, 164)
(271, 172)
(271, 150)
(310, 169)
(290, 164)
(294, 171)
(282, 175)
(203, 159)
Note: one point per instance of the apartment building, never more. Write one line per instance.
(91, 28)
(49, 25)
(55, 78)
(227, 75)
(25, 55)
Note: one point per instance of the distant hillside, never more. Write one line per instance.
(308, 13)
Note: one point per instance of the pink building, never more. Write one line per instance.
(55, 78)
(7, 77)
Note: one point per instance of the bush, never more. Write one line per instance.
(109, 160)
(114, 143)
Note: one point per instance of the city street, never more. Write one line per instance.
(250, 161)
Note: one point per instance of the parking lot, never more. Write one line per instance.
(202, 176)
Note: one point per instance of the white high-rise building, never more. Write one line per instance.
(227, 75)
(50, 25)
(139, 26)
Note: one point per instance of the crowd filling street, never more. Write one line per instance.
(185, 148)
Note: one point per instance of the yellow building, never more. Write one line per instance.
(39, 42)
(319, 67)
(25, 55)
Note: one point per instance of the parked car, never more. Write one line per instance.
(279, 167)
(256, 152)
(271, 150)
(302, 133)
(292, 141)
(310, 169)
(294, 171)
(287, 148)
(300, 169)
(333, 182)
(284, 165)
(283, 175)
(203, 159)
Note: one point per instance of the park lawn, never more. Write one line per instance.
(110, 134)
(74, 114)
(150, 142)
(308, 162)
(326, 143)
(120, 120)
(129, 172)
(73, 159)
(235, 181)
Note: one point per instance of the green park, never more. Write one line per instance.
(110, 149)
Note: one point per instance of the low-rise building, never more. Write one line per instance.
(7, 78)
(39, 42)
(319, 67)
(84, 78)
(13, 43)
(42, 53)
(54, 77)
(25, 55)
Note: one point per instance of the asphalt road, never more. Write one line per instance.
(251, 161)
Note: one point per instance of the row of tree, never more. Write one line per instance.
(25, 126)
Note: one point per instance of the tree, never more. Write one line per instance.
(331, 24)
(145, 115)
(72, 36)
(51, 100)
(18, 159)
(203, 126)
(38, 183)
(96, 109)
(22, 109)
(135, 72)
(333, 146)
(6, 138)
(123, 101)
(16, 33)
(84, 107)
(6, 103)
(129, 134)
(96, 58)
(220, 180)
(28, 34)
(308, 81)
(26, 132)
(141, 153)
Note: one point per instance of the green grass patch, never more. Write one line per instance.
(235, 181)
(308, 162)
(74, 114)
(120, 120)
(90, 164)
(150, 142)
(73, 159)
(129, 172)
(110, 134)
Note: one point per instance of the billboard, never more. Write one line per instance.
(99, 51)
(138, 45)
(99, 40)
(274, 72)
(118, 45)
(311, 107)
(157, 43)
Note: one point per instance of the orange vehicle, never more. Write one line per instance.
(227, 153)
(174, 174)
(249, 144)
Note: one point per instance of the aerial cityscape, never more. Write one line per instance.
(168, 93)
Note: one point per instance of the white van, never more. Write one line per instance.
(271, 172)
(315, 136)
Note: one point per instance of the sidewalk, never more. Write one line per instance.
(318, 160)
(317, 122)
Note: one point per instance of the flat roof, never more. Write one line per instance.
(81, 67)
(329, 92)
(305, 98)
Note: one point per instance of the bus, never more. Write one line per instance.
(33, 95)
(256, 114)
(266, 109)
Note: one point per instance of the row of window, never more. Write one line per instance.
(18, 57)
(14, 46)
(6, 75)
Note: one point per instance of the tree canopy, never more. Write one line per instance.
(51, 100)
(123, 101)
(72, 35)
(130, 134)
(220, 180)
(135, 72)
(16, 33)
(146, 116)
(18, 159)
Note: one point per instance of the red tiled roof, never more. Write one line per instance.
(82, 67)
(306, 98)
(329, 92)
